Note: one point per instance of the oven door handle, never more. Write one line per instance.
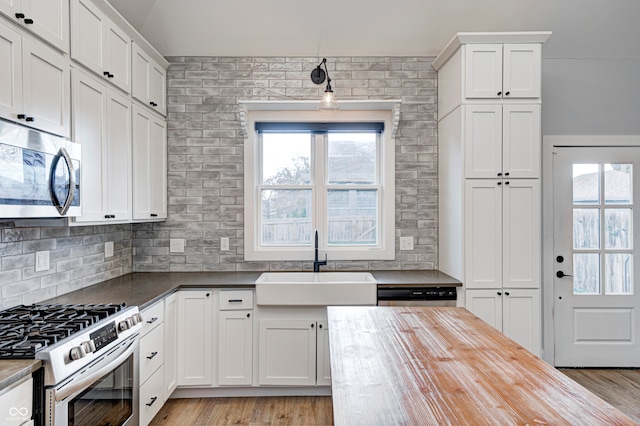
(84, 382)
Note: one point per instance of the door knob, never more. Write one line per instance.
(561, 274)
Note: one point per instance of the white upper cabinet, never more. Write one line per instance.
(99, 44)
(149, 166)
(34, 84)
(149, 85)
(502, 141)
(102, 125)
(46, 89)
(48, 19)
(497, 71)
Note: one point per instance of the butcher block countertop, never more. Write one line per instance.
(436, 366)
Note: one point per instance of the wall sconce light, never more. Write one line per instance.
(318, 76)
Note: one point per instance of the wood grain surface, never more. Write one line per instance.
(439, 366)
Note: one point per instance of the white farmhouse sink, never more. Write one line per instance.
(316, 289)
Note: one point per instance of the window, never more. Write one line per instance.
(303, 175)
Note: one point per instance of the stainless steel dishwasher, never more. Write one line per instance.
(417, 296)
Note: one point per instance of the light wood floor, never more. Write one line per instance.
(621, 388)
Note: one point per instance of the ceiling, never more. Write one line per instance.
(591, 29)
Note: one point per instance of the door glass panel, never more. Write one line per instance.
(586, 184)
(617, 228)
(618, 273)
(586, 270)
(586, 228)
(617, 184)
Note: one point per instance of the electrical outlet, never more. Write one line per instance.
(42, 261)
(176, 245)
(406, 243)
(224, 244)
(108, 249)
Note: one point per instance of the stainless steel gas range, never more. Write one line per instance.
(90, 360)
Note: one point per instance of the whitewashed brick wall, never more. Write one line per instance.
(76, 260)
(205, 178)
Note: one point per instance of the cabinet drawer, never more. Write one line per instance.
(236, 299)
(16, 402)
(152, 317)
(151, 353)
(151, 398)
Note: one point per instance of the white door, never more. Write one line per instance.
(521, 317)
(483, 71)
(235, 350)
(483, 141)
(521, 72)
(595, 300)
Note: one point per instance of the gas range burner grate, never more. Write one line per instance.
(26, 329)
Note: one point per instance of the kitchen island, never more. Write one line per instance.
(408, 365)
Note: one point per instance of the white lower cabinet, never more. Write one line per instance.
(152, 362)
(294, 352)
(515, 312)
(195, 337)
(235, 338)
(16, 403)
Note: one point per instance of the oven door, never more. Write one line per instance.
(103, 393)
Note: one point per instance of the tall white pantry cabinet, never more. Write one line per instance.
(489, 148)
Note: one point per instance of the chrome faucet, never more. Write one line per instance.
(316, 263)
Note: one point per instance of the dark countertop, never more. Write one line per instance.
(143, 289)
(12, 370)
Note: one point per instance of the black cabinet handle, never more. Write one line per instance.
(28, 21)
(154, 215)
(30, 119)
(235, 300)
(499, 93)
(105, 73)
(499, 183)
(110, 75)
(506, 183)
(149, 404)
(21, 116)
(499, 174)
(153, 355)
(499, 293)
(506, 293)
(506, 174)
(152, 320)
(507, 93)
(20, 15)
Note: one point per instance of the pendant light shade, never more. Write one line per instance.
(318, 75)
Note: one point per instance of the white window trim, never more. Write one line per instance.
(306, 111)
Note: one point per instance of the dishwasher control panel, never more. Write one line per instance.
(417, 293)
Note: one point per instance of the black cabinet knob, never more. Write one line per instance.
(506, 183)
(499, 174)
(319, 325)
(21, 116)
(506, 174)
(28, 21)
(30, 119)
(207, 294)
(248, 315)
(312, 325)
(507, 93)
(506, 293)
(20, 15)
(499, 293)
(499, 183)
(499, 93)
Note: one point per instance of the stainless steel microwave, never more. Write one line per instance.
(39, 174)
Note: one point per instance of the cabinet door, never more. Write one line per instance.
(87, 35)
(483, 141)
(170, 344)
(522, 65)
(118, 56)
(235, 349)
(521, 141)
(50, 21)
(323, 364)
(521, 317)
(151, 353)
(151, 398)
(149, 165)
(521, 233)
(10, 73)
(483, 233)
(158, 170)
(483, 71)
(486, 304)
(287, 352)
(119, 156)
(141, 71)
(46, 85)
(157, 83)
(195, 337)
(89, 129)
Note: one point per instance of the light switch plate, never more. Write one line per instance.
(42, 261)
(108, 249)
(224, 244)
(176, 245)
(406, 243)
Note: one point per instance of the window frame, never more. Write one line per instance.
(384, 250)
